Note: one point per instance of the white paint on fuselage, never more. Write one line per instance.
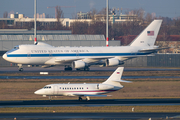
(29, 50)
(75, 89)
(43, 53)
(110, 85)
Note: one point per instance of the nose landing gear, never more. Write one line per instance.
(20, 67)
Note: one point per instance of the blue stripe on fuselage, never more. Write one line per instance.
(75, 54)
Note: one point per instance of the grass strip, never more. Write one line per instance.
(84, 109)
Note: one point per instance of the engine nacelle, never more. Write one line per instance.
(113, 62)
(78, 64)
(104, 86)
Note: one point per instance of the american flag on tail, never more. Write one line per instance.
(150, 33)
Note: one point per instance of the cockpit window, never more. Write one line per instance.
(16, 47)
(47, 87)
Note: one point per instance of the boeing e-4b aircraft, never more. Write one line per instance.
(82, 58)
(87, 90)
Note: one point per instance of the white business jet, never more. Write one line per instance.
(110, 85)
(81, 58)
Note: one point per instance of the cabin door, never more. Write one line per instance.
(55, 90)
(28, 55)
(77, 54)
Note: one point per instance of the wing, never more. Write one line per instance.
(86, 59)
(66, 60)
(91, 95)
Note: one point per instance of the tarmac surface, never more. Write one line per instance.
(61, 68)
(93, 102)
(100, 102)
(82, 116)
(83, 77)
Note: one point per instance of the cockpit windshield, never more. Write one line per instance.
(16, 47)
(47, 87)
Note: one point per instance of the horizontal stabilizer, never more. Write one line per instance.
(122, 81)
(152, 50)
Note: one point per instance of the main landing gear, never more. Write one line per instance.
(83, 69)
(80, 98)
(68, 68)
(20, 67)
(87, 98)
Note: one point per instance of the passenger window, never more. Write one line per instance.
(50, 87)
(79, 88)
(82, 88)
(74, 88)
(60, 88)
(63, 88)
(68, 88)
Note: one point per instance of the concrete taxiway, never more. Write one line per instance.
(82, 116)
(101, 102)
(83, 77)
(58, 69)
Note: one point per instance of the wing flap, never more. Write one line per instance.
(66, 60)
(91, 95)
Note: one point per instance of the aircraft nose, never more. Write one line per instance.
(5, 56)
(37, 92)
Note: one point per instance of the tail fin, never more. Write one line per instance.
(115, 78)
(148, 35)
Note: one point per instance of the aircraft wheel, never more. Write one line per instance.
(86, 69)
(68, 68)
(20, 69)
(80, 99)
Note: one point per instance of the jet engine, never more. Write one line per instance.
(113, 62)
(104, 86)
(78, 64)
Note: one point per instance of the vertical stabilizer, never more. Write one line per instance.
(115, 78)
(148, 36)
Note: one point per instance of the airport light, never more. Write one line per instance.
(35, 38)
(107, 15)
